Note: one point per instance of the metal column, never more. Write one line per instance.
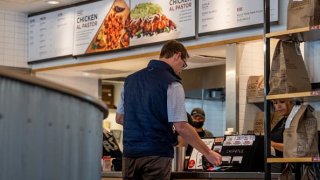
(267, 151)
(232, 87)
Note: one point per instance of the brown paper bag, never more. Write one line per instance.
(300, 137)
(259, 123)
(288, 72)
(303, 13)
(309, 172)
(287, 173)
(255, 88)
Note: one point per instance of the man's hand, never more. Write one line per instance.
(214, 158)
(119, 118)
(188, 133)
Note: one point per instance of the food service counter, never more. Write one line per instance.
(243, 155)
(202, 175)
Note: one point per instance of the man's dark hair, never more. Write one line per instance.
(171, 47)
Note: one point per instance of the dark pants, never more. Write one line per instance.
(146, 168)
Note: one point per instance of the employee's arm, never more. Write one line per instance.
(277, 146)
(188, 133)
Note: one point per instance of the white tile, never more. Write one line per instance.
(21, 30)
(21, 18)
(20, 25)
(9, 28)
(9, 34)
(1, 58)
(10, 24)
(9, 17)
(20, 47)
(1, 21)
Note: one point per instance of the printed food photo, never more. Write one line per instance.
(147, 19)
(111, 34)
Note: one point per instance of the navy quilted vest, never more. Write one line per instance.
(146, 128)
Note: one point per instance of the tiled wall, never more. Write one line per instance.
(312, 57)
(13, 39)
(250, 63)
(312, 50)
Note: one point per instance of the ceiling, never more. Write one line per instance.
(199, 58)
(32, 6)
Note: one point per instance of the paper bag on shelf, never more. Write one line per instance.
(288, 72)
(300, 137)
(255, 88)
(259, 123)
(303, 13)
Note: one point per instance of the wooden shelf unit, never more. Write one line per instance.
(306, 96)
(301, 34)
(294, 160)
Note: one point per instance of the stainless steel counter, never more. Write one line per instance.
(202, 175)
(48, 130)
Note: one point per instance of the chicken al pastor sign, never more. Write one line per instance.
(111, 24)
(160, 20)
(99, 26)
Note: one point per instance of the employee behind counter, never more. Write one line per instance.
(197, 119)
(283, 107)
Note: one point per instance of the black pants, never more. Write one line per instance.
(146, 168)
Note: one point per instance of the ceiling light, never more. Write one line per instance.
(52, 2)
(86, 74)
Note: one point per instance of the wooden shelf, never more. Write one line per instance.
(302, 34)
(255, 100)
(306, 96)
(293, 160)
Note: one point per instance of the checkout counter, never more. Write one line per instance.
(242, 154)
(202, 175)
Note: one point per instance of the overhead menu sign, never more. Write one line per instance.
(157, 20)
(99, 26)
(217, 15)
(50, 35)
(112, 24)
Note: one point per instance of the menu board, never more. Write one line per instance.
(116, 24)
(50, 35)
(217, 15)
(157, 20)
(99, 26)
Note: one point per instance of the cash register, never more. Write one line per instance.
(240, 153)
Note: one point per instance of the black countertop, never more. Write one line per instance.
(207, 175)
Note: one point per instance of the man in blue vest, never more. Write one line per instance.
(152, 105)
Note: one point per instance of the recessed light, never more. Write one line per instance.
(86, 74)
(52, 2)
